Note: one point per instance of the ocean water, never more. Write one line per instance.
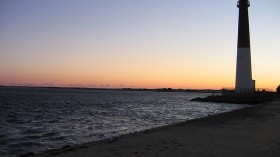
(40, 119)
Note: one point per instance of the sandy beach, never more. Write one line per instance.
(253, 131)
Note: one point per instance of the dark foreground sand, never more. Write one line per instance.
(248, 132)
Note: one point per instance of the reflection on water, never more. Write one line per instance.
(37, 119)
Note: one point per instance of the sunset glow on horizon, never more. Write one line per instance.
(134, 44)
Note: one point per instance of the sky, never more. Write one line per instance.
(135, 43)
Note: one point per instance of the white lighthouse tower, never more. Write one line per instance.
(244, 82)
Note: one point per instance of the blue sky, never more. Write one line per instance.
(147, 43)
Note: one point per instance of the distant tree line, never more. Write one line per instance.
(278, 89)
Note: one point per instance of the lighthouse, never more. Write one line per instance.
(244, 82)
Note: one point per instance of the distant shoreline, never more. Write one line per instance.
(121, 89)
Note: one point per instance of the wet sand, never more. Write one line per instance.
(253, 131)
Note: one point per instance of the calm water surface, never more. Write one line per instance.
(40, 119)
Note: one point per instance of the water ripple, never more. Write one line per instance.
(38, 119)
